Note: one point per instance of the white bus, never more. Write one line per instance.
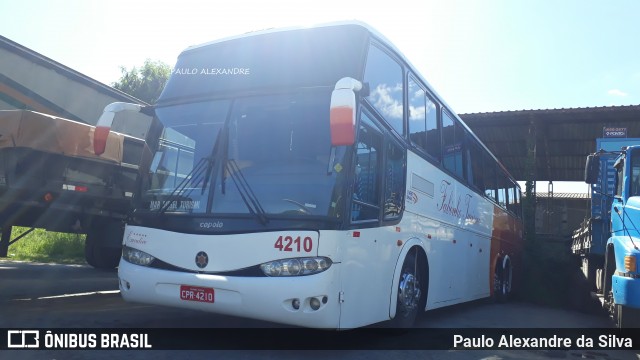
(312, 177)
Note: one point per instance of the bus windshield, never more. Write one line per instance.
(268, 154)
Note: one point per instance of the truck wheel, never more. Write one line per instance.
(410, 292)
(599, 281)
(98, 250)
(627, 317)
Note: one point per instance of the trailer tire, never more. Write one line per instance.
(97, 251)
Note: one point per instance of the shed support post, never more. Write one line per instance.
(529, 208)
(5, 240)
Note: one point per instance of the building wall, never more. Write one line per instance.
(558, 217)
(30, 81)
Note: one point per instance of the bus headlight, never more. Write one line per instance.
(136, 256)
(296, 266)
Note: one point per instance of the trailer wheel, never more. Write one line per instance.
(98, 250)
(411, 292)
(627, 317)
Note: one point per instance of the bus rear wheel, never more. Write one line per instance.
(410, 293)
(497, 281)
(503, 281)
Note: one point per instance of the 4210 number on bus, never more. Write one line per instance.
(289, 243)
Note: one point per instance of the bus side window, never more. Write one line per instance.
(384, 76)
(490, 181)
(366, 187)
(417, 118)
(475, 164)
(453, 136)
(503, 184)
(394, 181)
(423, 120)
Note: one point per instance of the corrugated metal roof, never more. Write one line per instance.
(577, 196)
(563, 137)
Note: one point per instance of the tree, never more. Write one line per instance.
(145, 83)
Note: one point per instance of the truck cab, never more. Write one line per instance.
(620, 278)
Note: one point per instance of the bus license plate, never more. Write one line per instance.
(196, 293)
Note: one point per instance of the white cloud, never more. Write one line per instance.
(616, 92)
(385, 99)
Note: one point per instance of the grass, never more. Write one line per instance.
(48, 247)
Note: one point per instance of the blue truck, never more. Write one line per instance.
(608, 242)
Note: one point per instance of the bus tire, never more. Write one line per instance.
(411, 293)
(627, 317)
(506, 282)
(497, 281)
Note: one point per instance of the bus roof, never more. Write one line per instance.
(374, 33)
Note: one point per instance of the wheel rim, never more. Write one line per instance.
(408, 293)
(506, 284)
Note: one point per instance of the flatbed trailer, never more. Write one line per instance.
(51, 178)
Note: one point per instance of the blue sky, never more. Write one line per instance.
(492, 55)
(480, 56)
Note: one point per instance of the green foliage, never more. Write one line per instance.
(44, 246)
(145, 83)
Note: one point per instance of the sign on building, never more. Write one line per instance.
(614, 132)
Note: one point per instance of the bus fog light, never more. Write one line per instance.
(314, 303)
(295, 303)
(296, 266)
(124, 285)
(136, 256)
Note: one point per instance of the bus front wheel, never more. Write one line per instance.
(410, 293)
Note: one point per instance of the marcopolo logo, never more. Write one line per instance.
(212, 224)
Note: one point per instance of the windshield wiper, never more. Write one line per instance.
(195, 173)
(214, 151)
(229, 165)
(246, 193)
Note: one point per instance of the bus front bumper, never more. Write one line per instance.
(263, 298)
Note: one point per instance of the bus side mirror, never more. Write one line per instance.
(342, 116)
(591, 169)
(103, 126)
